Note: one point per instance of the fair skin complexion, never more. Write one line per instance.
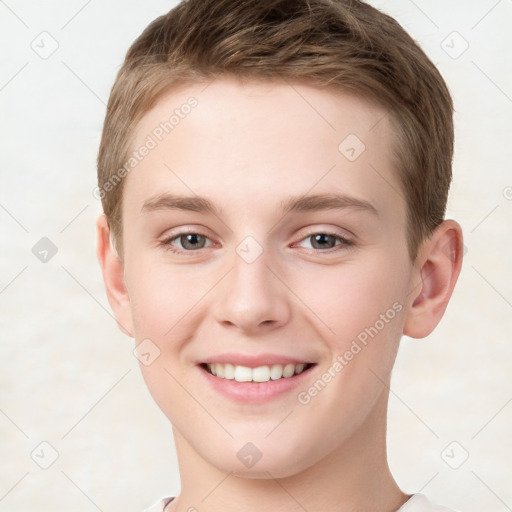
(247, 148)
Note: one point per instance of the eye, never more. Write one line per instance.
(326, 242)
(189, 241)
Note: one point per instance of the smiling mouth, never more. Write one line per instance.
(259, 374)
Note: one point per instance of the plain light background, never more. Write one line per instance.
(68, 377)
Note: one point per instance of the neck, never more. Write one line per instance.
(354, 476)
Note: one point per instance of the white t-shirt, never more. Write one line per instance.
(416, 503)
(420, 503)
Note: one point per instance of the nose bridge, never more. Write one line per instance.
(252, 295)
(251, 267)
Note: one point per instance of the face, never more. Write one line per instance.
(248, 278)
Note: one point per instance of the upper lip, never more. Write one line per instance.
(253, 361)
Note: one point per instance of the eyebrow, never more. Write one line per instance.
(302, 203)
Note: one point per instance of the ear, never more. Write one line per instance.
(112, 269)
(439, 263)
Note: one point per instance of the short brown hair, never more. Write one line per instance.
(346, 44)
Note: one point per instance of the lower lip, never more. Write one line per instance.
(255, 392)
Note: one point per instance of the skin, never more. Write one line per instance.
(247, 147)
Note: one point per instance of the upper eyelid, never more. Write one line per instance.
(202, 231)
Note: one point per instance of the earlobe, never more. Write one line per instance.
(439, 262)
(112, 269)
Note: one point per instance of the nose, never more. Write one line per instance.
(252, 297)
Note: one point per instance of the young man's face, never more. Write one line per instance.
(256, 285)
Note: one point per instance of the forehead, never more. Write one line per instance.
(252, 144)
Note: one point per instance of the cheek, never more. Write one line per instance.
(344, 300)
(161, 295)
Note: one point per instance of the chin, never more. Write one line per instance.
(269, 462)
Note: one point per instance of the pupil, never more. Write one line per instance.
(192, 239)
(321, 239)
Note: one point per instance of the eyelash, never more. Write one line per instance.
(345, 243)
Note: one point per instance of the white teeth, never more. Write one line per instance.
(288, 370)
(259, 374)
(229, 371)
(276, 372)
(242, 373)
(220, 370)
